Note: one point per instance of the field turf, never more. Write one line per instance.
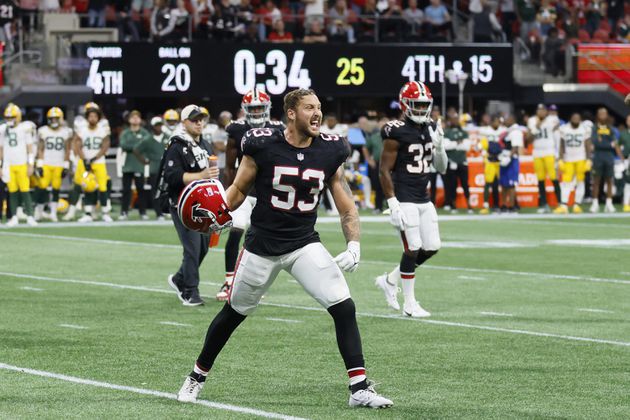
(531, 319)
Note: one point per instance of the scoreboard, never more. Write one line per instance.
(211, 69)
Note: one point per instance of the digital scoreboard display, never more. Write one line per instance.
(210, 69)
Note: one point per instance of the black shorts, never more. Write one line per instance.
(603, 166)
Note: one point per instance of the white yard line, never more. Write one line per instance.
(597, 311)
(73, 326)
(32, 289)
(150, 392)
(496, 314)
(317, 309)
(175, 324)
(290, 321)
(471, 278)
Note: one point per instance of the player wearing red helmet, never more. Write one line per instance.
(410, 147)
(256, 105)
(290, 168)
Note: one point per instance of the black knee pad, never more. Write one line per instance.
(424, 255)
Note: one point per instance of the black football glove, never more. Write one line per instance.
(64, 173)
(88, 165)
(39, 171)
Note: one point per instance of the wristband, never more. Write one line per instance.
(354, 247)
(39, 163)
(66, 165)
(30, 160)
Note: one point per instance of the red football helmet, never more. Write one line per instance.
(416, 102)
(202, 206)
(256, 105)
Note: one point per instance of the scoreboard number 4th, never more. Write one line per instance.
(352, 72)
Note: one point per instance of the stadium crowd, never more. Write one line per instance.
(545, 26)
(581, 158)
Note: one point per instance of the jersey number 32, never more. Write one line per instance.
(421, 158)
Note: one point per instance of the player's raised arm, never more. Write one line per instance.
(243, 182)
(440, 160)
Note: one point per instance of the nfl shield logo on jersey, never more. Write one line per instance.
(300, 157)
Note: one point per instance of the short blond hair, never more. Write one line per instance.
(292, 99)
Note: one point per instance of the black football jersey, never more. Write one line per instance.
(411, 173)
(288, 186)
(237, 129)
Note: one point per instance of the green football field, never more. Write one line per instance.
(531, 318)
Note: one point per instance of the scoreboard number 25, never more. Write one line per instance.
(352, 72)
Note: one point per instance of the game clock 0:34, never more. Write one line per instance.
(209, 69)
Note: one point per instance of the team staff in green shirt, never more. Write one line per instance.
(456, 147)
(624, 142)
(133, 169)
(372, 154)
(149, 151)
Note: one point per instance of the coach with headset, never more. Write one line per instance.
(186, 160)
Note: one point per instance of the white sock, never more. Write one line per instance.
(200, 371)
(356, 375)
(626, 194)
(408, 283)
(579, 192)
(39, 208)
(565, 191)
(595, 202)
(88, 209)
(229, 277)
(608, 201)
(393, 278)
(53, 208)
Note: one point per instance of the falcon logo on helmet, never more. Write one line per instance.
(256, 105)
(416, 102)
(202, 207)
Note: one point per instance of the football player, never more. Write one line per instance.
(289, 169)
(624, 140)
(542, 127)
(575, 150)
(91, 144)
(410, 147)
(256, 106)
(53, 160)
(171, 122)
(81, 123)
(492, 148)
(17, 159)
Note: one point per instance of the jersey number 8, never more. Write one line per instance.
(421, 157)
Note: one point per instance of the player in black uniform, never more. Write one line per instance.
(256, 105)
(289, 169)
(410, 146)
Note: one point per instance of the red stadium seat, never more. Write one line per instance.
(584, 36)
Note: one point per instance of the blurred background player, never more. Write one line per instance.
(372, 155)
(541, 128)
(17, 158)
(333, 126)
(256, 106)
(149, 151)
(91, 143)
(490, 136)
(80, 123)
(133, 168)
(53, 160)
(605, 144)
(624, 143)
(513, 142)
(575, 150)
(456, 144)
(410, 146)
(171, 122)
(216, 135)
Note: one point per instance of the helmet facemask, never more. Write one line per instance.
(257, 114)
(418, 110)
(54, 122)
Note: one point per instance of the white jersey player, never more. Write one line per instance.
(542, 127)
(53, 160)
(575, 138)
(17, 159)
